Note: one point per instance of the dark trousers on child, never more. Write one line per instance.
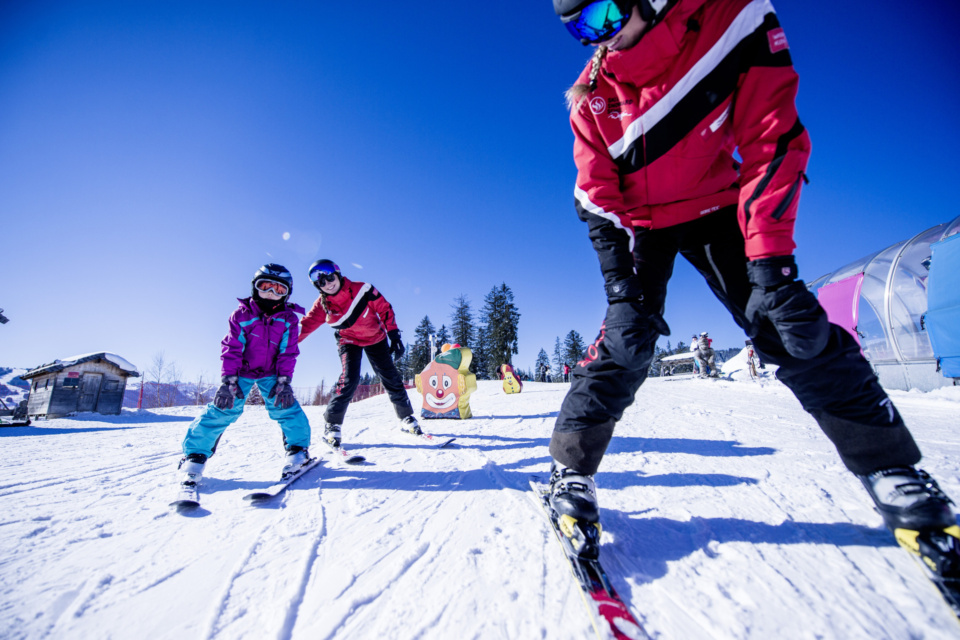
(837, 387)
(379, 357)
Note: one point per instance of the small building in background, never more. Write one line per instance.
(90, 382)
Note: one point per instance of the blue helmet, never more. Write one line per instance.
(321, 268)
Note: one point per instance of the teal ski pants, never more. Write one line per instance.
(205, 431)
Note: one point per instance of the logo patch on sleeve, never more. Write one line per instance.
(777, 39)
(598, 105)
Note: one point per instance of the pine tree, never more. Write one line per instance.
(443, 337)
(420, 349)
(481, 360)
(461, 322)
(501, 318)
(559, 356)
(573, 347)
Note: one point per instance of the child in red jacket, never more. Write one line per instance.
(363, 321)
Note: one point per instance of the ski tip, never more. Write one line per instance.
(355, 460)
(257, 497)
(184, 505)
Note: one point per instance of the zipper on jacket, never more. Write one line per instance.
(788, 200)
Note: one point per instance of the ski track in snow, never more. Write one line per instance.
(726, 514)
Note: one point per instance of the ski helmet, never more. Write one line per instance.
(323, 268)
(273, 273)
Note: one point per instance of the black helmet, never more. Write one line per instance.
(321, 267)
(273, 273)
(650, 10)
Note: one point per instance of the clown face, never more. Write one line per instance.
(440, 388)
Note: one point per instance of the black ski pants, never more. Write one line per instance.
(379, 357)
(838, 387)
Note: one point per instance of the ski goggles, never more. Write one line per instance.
(322, 274)
(321, 278)
(596, 22)
(265, 286)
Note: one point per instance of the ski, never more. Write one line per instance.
(608, 613)
(187, 498)
(283, 485)
(343, 455)
(436, 441)
(938, 554)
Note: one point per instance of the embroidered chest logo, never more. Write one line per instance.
(598, 105)
(777, 39)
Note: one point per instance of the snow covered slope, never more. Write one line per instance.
(726, 515)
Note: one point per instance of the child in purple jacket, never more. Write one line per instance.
(260, 348)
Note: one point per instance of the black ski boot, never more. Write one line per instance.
(331, 435)
(573, 498)
(918, 512)
(410, 425)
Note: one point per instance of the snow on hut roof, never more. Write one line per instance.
(60, 364)
(678, 356)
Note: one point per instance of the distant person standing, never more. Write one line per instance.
(752, 360)
(566, 372)
(687, 141)
(694, 350)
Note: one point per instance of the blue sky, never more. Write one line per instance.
(154, 154)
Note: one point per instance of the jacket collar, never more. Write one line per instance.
(251, 305)
(657, 50)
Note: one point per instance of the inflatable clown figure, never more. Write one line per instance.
(511, 381)
(446, 384)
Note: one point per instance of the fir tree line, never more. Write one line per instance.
(490, 333)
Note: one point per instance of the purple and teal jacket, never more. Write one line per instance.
(259, 345)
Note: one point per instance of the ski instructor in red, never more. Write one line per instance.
(363, 322)
(673, 88)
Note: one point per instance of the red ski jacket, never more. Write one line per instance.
(654, 142)
(357, 312)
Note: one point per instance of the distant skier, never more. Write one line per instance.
(674, 89)
(694, 351)
(752, 361)
(260, 348)
(706, 357)
(566, 372)
(363, 322)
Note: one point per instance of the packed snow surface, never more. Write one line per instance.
(726, 514)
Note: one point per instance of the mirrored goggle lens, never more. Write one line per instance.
(323, 278)
(275, 287)
(323, 271)
(596, 22)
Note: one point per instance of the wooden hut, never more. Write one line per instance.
(91, 382)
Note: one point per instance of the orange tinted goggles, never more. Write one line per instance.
(270, 285)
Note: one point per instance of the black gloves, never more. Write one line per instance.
(396, 345)
(227, 392)
(283, 393)
(779, 297)
(629, 333)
